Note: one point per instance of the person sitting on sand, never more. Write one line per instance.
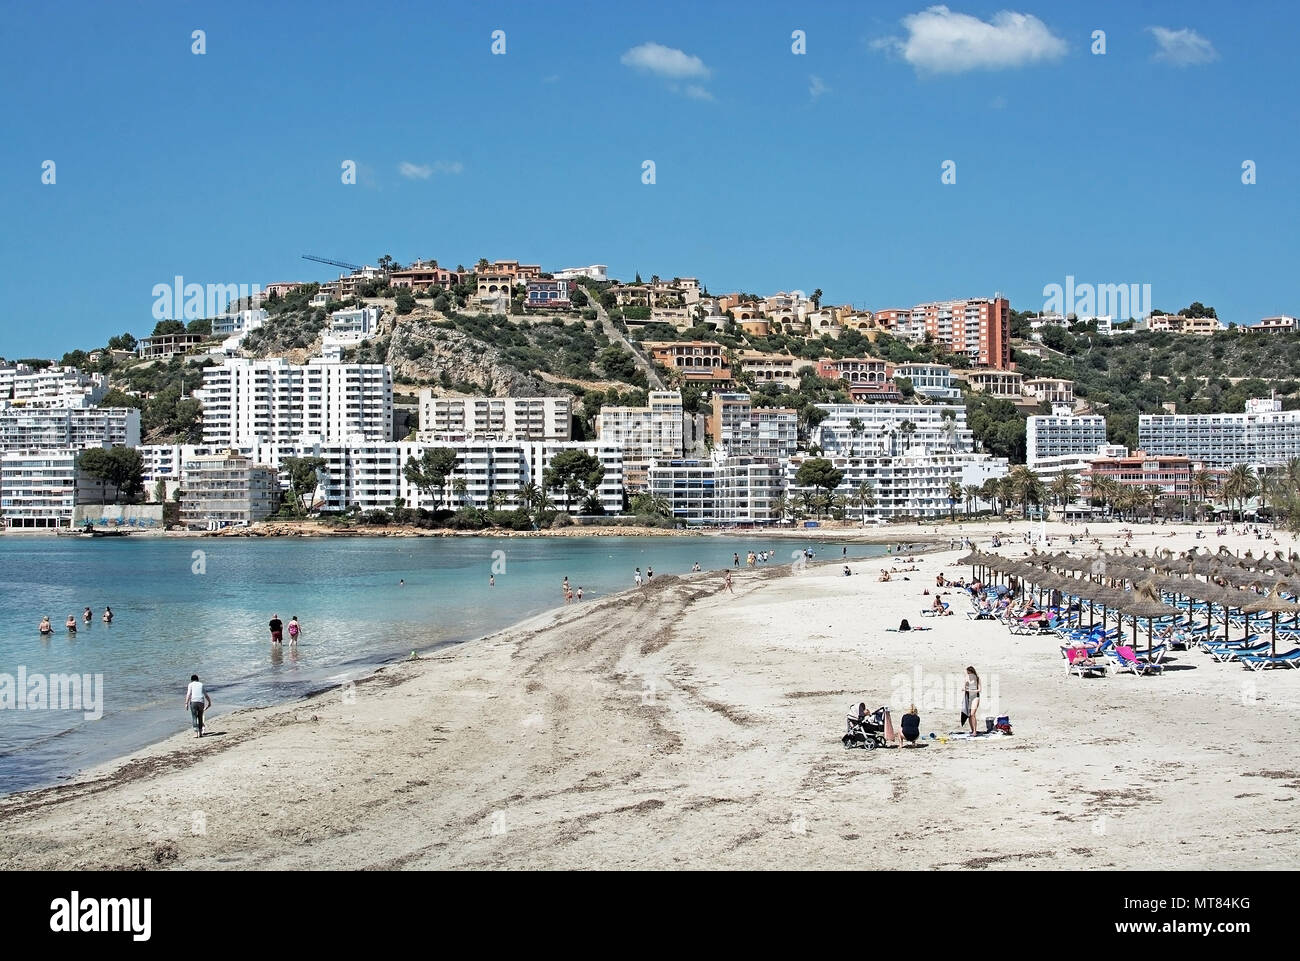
(909, 728)
(903, 625)
(847, 572)
(884, 575)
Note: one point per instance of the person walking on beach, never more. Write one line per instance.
(197, 700)
(564, 589)
(971, 698)
(649, 573)
(277, 629)
(294, 628)
(638, 577)
(726, 581)
(845, 551)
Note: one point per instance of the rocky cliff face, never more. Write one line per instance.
(417, 347)
(421, 352)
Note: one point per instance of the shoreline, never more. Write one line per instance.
(679, 725)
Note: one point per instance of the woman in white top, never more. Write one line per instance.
(971, 700)
(197, 700)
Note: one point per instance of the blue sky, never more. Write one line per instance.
(225, 167)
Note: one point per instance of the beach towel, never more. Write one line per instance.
(890, 736)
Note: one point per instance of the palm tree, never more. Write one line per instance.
(816, 299)
(1240, 485)
(459, 488)
(855, 427)
(837, 503)
(1153, 494)
(907, 429)
(807, 501)
(990, 491)
(865, 498)
(1025, 486)
(1204, 484)
(1104, 491)
(972, 492)
(780, 506)
(955, 493)
(1065, 488)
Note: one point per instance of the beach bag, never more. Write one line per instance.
(1003, 726)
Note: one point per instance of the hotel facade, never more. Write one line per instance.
(1263, 435)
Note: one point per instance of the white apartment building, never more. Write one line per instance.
(38, 488)
(643, 434)
(353, 325)
(892, 429)
(1051, 437)
(1048, 468)
(930, 380)
(740, 429)
(239, 322)
(225, 489)
(76, 428)
(52, 386)
(723, 491)
(913, 485)
(275, 401)
(598, 272)
(495, 418)
(1262, 435)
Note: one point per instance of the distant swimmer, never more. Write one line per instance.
(695, 568)
(579, 593)
(401, 582)
(86, 615)
(492, 580)
(71, 624)
(45, 627)
(108, 615)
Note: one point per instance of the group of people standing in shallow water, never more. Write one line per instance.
(87, 616)
(277, 630)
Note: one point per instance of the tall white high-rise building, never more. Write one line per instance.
(72, 428)
(53, 386)
(1264, 434)
(1058, 435)
(275, 401)
(643, 434)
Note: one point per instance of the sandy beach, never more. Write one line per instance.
(683, 726)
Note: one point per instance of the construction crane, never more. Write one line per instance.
(335, 263)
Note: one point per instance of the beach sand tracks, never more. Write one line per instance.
(734, 714)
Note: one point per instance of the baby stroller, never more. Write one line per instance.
(869, 733)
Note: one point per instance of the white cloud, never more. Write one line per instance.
(425, 171)
(817, 87)
(697, 93)
(1182, 48)
(664, 61)
(941, 41)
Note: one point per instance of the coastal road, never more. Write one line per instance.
(616, 336)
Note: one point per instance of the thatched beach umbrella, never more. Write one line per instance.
(1146, 602)
(1274, 603)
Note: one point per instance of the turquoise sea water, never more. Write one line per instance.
(178, 614)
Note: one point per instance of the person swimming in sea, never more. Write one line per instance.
(86, 615)
(45, 627)
(71, 624)
(108, 615)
